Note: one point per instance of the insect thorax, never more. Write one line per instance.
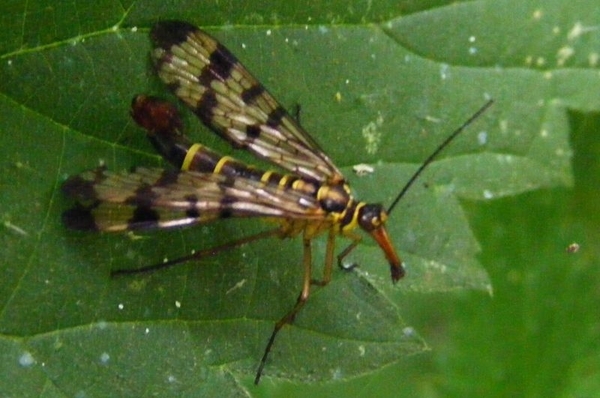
(343, 213)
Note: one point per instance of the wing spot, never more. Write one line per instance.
(143, 217)
(80, 218)
(165, 34)
(253, 131)
(205, 106)
(226, 206)
(221, 62)
(276, 116)
(250, 95)
(192, 211)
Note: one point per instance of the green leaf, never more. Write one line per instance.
(375, 87)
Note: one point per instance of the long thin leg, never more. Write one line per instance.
(300, 301)
(355, 241)
(197, 255)
(304, 294)
(329, 253)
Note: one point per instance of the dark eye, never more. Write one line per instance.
(371, 216)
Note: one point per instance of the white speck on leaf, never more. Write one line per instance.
(26, 359)
(336, 374)
(372, 135)
(236, 286)
(573, 248)
(408, 331)
(361, 350)
(18, 230)
(104, 358)
(444, 71)
(579, 29)
(362, 169)
(482, 137)
(563, 54)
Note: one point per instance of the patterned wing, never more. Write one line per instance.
(228, 99)
(150, 198)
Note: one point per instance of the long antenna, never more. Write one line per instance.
(435, 153)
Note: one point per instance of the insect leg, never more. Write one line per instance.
(197, 255)
(329, 252)
(304, 294)
(300, 301)
(355, 241)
